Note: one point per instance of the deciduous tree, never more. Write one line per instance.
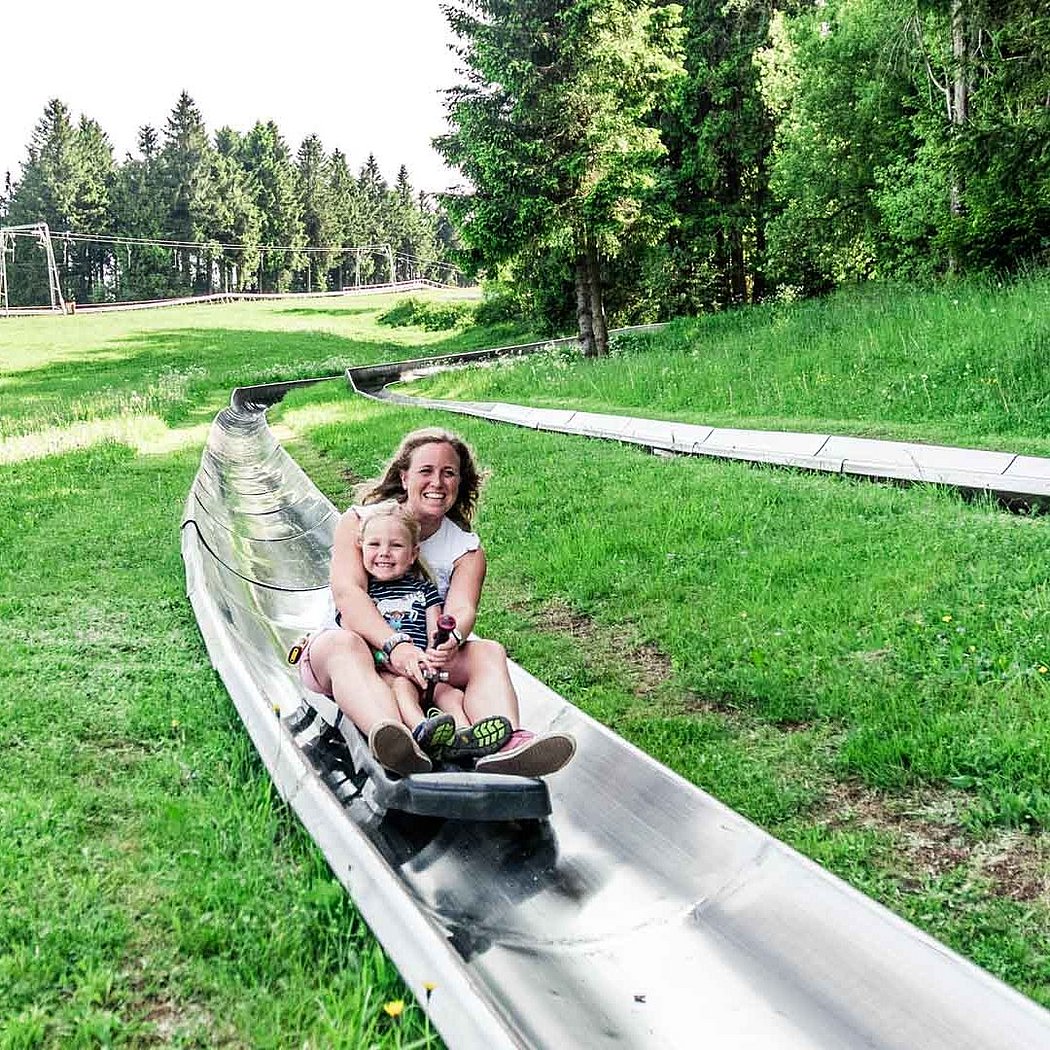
(554, 129)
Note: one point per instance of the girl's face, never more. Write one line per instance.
(386, 548)
(432, 483)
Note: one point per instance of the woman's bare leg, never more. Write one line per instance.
(343, 663)
(481, 670)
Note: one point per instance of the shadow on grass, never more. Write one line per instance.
(317, 311)
(172, 372)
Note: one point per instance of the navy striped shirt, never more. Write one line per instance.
(403, 604)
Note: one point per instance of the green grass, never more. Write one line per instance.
(778, 638)
(155, 890)
(965, 365)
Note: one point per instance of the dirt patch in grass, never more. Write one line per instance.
(186, 1024)
(1018, 865)
(927, 831)
(646, 666)
(925, 825)
(713, 704)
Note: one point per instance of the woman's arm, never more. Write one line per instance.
(432, 622)
(464, 592)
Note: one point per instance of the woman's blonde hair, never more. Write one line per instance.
(411, 526)
(388, 484)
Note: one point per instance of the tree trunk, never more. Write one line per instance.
(758, 278)
(584, 317)
(601, 330)
(958, 108)
(732, 196)
(960, 90)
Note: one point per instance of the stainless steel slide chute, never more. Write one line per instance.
(642, 913)
(1018, 481)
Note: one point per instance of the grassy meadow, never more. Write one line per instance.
(963, 365)
(862, 669)
(155, 892)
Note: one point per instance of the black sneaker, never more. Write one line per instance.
(435, 732)
(484, 737)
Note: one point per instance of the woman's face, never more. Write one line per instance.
(431, 482)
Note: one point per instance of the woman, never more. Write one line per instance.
(434, 477)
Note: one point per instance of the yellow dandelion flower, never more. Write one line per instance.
(946, 618)
(1042, 668)
(395, 1008)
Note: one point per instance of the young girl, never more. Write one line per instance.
(403, 592)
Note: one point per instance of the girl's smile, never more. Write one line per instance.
(386, 548)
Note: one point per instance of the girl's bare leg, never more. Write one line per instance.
(406, 694)
(449, 699)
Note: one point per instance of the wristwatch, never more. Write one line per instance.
(395, 640)
(455, 634)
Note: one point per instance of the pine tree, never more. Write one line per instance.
(719, 135)
(138, 210)
(271, 180)
(375, 220)
(347, 218)
(235, 217)
(186, 164)
(320, 222)
(47, 192)
(92, 264)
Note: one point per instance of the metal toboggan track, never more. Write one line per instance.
(643, 913)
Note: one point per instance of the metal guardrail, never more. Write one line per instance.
(229, 297)
(1009, 476)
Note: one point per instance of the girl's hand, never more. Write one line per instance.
(409, 661)
(440, 658)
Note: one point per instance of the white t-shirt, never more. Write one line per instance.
(440, 551)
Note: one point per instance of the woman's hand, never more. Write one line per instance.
(409, 661)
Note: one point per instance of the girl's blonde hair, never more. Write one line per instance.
(410, 523)
(388, 484)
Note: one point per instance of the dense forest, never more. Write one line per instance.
(204, 192)
(642, 159)
(622, 161)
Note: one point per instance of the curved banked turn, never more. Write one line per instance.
(644, 913)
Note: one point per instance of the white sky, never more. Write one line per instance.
(363, 75)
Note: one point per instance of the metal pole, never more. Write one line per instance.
(57, 302)
(4, 304)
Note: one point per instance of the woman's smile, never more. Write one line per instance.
(431, 482)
